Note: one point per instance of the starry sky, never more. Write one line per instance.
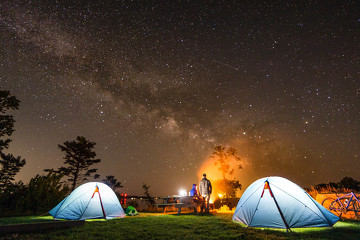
(158, 84)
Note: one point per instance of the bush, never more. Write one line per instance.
(346, 185)
(40, 195)
(12, 200)
(230, 202)
(44, 192)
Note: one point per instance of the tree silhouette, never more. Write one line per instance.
(112, 182)
(228, 161)
(44, 192)
(149, 199)
(350, 183)
(79, 157)
(9, 164)
(223, 158)
(347, 183)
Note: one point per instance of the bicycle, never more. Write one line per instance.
(343, 204)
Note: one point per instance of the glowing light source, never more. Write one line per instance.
(226, 209)
(182, 192)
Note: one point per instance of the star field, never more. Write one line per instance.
(158, 84)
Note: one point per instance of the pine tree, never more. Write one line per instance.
(79, 157)
(9, 164)
(112, 182)
(149, 199)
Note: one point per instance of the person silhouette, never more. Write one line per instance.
(205, 190)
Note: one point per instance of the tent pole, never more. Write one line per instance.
(277, 205)
(282, 215)
(102, 207)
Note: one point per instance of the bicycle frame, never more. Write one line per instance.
(350, 197)
(343, 204)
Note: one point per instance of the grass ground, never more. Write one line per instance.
(21, 220)
(185, 226)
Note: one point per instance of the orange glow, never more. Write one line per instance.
(225, 209)
(213, 174)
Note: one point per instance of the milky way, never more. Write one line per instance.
(158, 84)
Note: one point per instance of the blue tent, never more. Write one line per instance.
(89, 201)
(275, 202)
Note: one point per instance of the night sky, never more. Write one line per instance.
(158, 84)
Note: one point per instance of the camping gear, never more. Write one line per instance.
(275, 202)
(131, 211)
(89, 201)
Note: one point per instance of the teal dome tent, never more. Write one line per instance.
(89, 201)
(275, 202)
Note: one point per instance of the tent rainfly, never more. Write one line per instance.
(89, 201)
(275, 202)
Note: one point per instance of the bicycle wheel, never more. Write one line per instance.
(356, 206)
(336, 207)
(329, 204)
(327, 201)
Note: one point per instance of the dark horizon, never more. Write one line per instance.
(158, 85)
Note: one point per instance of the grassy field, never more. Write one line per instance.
(21, 220)
(185, 226)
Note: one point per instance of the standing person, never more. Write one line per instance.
(205, 190)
